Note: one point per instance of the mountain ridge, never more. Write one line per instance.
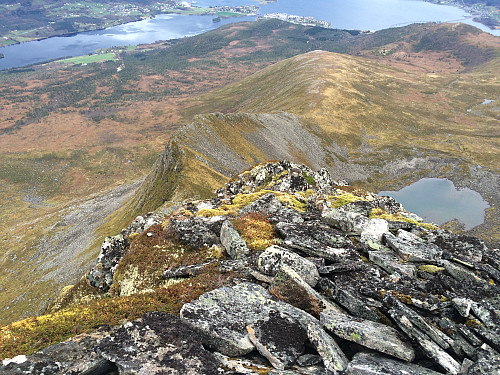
(355, 150)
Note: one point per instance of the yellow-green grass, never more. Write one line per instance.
(90, 58)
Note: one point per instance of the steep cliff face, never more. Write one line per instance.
(283, 271)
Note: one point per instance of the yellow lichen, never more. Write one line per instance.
(430, 268)
(379, 213)
(243, 200)
(292, 201)
(342, 199)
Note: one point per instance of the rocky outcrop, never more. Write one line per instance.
(114, 248)
(337, 290)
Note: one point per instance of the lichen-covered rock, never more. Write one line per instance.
(373, 335)
(112, 250)
(317, 239)
(158, 343)
(471, 248)
(372, 364)
(73, 357)
(485, 366)
(232, 242)
(349, 222)
(222, 315)
(387, 260)
(267, 204)
(410, 247)
(195, 232)
(273, 257)
(373, 233)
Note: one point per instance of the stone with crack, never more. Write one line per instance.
(317, 240)
(370, 334)
(389, 262)
(351, 223)
(333, 357)
(411, 248)
(289, 287)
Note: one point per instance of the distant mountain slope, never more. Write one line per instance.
(373, 125)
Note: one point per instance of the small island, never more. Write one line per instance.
(1, 56)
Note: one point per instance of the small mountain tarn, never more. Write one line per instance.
(283, 271)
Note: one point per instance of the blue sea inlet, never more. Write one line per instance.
(352, 14)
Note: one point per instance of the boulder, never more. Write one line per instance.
(231, 241)
(373, 233)
(317, 240)
(194, 232)
(411, 248)
(74, 357)
(289, 287)
(348, 222)
(333, 357)
(390, 263)
(267, 204)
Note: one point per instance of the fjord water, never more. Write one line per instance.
(437, 200)
(352, 14)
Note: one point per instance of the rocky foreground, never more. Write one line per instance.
(334, 280)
